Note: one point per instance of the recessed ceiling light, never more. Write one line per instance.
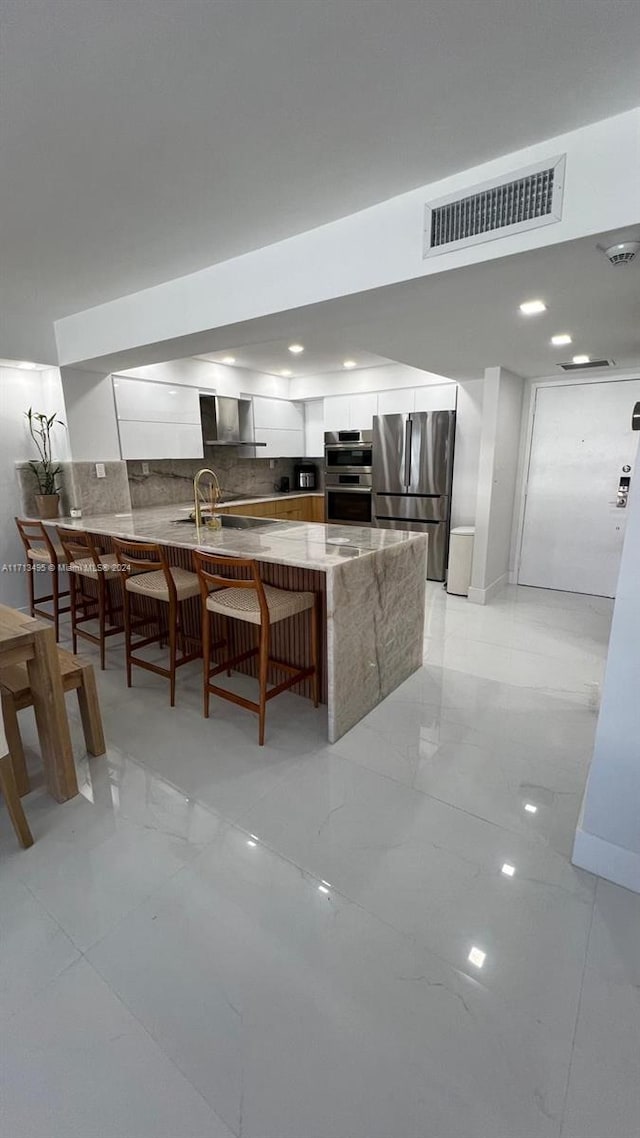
(297, 349)
(533, 307)
(228, 359)
(530, 808)
(250, 842)
(322, 889)
(581, 359)
(477, 956)
(286, 372)
(349, 363)
(561, 339)
(508, 870)
(172, 392)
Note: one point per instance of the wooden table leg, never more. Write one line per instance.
(51, 717)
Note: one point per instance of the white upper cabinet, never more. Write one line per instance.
(160, 440)
(314, 429)
(279, 443)
(140, 400)
(277, 414)
(157, 420)
(362, 409)
(437, 397)
(350, 412)
(396, 402)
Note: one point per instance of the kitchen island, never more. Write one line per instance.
(371, 581)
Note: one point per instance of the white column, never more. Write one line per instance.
(497, 473)
(608, 836)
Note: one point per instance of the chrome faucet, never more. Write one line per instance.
(214, 493)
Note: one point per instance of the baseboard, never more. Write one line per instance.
(615, 863)
(483, 596)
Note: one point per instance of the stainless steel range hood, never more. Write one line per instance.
(226, 422)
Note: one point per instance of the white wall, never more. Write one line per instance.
(19, 390)
(608, 836)
(91, 415)
(467, 454)
(497, 475)
(370, 249)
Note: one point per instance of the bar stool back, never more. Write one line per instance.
(87, 564)
(41, 551)
(244, 596)
(147, 574)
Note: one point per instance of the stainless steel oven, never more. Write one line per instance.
(348, 451)
(348, 498)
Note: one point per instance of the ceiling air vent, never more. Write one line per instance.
(587, 367)
(524, 200)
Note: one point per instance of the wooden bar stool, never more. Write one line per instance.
(87, 564)
(15, 694)
(247, 598)
(148, 576)
(41, 552)
(9, 791)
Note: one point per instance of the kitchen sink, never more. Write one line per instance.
(234, 521)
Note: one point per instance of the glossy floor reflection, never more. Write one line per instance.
(380, 939)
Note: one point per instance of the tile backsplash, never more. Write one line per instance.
(170, 481)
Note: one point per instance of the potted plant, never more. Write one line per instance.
(46, 472)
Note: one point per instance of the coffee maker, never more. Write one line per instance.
(305, 476)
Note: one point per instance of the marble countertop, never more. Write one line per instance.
(307, 545)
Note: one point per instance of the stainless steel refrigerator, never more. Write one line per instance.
(412, 476)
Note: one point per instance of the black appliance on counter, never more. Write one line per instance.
(305, 476)
(347, 477)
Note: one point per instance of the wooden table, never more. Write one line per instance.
(24, 640)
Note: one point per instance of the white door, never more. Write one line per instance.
(573, 530)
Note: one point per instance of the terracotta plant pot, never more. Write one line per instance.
(47, 505)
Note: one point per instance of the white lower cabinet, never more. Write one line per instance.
(160, 440)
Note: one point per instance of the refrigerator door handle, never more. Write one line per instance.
(407, 452)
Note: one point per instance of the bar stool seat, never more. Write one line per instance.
(44, 556)
(94, 593)
(155, 585)
(41, 551)
(244, 604)
(160, 588)
(107, 563)
(232, 588)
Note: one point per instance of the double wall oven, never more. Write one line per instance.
(348, 477)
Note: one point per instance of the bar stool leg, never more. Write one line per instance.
(32, 595)
(14, 743)
(73, 587)
(314, 652)
(127, 631)
(173, 633)
(206, 658)
(227, 640)
(56, 600)
(263, 675)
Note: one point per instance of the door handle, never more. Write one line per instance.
(407, 452)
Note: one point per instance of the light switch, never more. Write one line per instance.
(100, 470)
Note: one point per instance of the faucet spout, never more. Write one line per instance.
(214, 493)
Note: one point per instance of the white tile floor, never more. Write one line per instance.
(215, 939)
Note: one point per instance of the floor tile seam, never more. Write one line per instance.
(40, 989)
(408, 937)
(443, 802)
(563, 1113)
(174, 1063)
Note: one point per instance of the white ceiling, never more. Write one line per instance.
(321, 354)
(140, 141)
(459, 322)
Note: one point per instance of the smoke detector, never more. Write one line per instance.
(623, 253)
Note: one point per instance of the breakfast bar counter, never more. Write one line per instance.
(372, 583)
